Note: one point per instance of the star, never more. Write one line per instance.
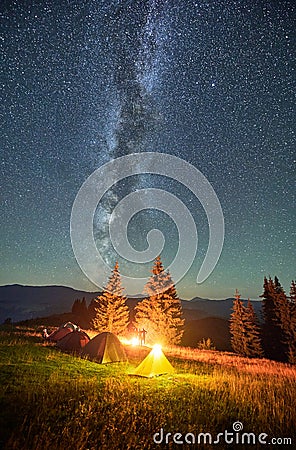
(210, 83)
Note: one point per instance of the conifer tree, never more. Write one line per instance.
(244, 329)
(283, 313)
(293, 293)
(253, 334)
(111, 311)
(271, 331)
(274, 306)
(75, 306)
(293, 303)
(79, 307)
(238, 326)
(91, 310)
(83, 306)
(160, 314)
(292, 337)
(80, 311)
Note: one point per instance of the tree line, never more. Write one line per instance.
(159, 313)
(275, 336)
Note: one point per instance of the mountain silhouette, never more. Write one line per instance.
(25, 302)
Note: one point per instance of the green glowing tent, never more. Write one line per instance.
(104, 348)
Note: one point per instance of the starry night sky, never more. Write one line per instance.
(212, 82)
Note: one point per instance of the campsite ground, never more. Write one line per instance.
(51, 400)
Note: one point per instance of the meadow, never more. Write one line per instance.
(52, 400)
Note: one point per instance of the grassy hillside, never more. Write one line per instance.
(51, 400)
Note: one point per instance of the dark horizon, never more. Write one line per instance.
(20, 302)
(138, 295)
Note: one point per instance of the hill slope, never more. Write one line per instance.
(52, 400)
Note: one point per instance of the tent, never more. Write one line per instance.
(105, 348)
(59, 334)
(154, 364)
(62, 331)
(73, 342)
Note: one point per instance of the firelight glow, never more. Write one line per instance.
(135, 342)
(157, 349)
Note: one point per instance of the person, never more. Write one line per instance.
(143, 337)
(44, 333)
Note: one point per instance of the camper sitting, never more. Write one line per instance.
(44, 333)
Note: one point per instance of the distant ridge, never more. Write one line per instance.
(215, 308)
(25, 302)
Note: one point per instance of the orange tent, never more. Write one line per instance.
(73, 342)
(59, 334)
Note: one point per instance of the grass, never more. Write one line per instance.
(51, 400)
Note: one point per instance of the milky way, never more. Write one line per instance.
(210, 82)
(136, 52)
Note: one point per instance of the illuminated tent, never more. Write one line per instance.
(59, 333)
(73, 342)
(154, 364)
(105, 348)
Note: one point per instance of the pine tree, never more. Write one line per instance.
(293, 293)
(173, 324)
(75, 306)
(292, 343)
(80, 311)
(84, 312)
(253, 338)
(111, 311)
(283, 312)
(83, 306)
(238, 326)
(160, 314)
(271, 331)
(91, 310)
(274, 306)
